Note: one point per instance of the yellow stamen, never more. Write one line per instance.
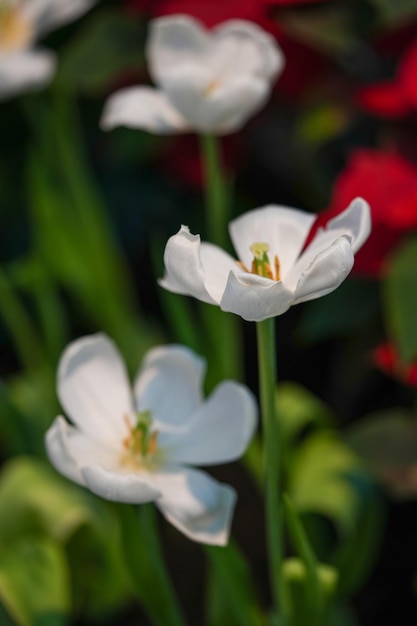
(277, 268)
(16, 32)
(211, 87)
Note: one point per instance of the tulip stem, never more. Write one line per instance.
(223, 329)
(216, 191)
(272, 462)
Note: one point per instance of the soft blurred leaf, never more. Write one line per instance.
(297, 408)
(231, 595)
(321, 123)
(33, 498)
(387, 443)
(400, 300)
(348, 309)
(34, 581)
(320, 480)
(108, 45)
(396, 10)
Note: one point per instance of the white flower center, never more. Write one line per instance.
(140, 448)
(16, 31)
(261, 264)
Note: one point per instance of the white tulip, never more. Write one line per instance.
(139, 447)
(274, 271)
(22, 66)
(209, 81)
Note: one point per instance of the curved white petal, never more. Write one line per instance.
(255, 298)
(136, 488)
(354, 221)
(221, 109)
(56, 440)
(142, 107)
(24, 71)
(327, 271)
(220, 430)
(176, 41)
(216, 265)
(183, 268)
(169, 385)
(50, 14)
(250, 48)
(93, 388)
(283, 228)
(196, 504)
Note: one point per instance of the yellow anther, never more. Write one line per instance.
(259, 250)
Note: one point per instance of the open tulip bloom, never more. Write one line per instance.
(209, 81)
(275, 269)
(139, 447)
(22, 22)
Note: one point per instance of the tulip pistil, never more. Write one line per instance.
(261, 264)
(141, 442)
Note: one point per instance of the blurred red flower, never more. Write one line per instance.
(386, 358)
(396, 97)
(389, 183)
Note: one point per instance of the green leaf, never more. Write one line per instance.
(33, 498)
(321, 480)
(387, 442)
(231, 595)
(400, 300)
(396, 10)
(34, 581)
(108, 45)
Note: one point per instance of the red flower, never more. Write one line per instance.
(398, 96)
(389, 184)
(386, 358)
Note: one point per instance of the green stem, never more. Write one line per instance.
(145, 562)
(271, 445)
(216, 192)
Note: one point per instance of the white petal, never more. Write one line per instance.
(58, 452)
(24, 71)
(197, 505)
(93, 388)
(215, 79)
(283, 228)
(50, 14)
(120, 487)
(169, 384)
(220, 430)
(176, 41)
(216, 265)
(223, 109)
(354, 221)
(255, 298)
(252, 50)
(183, 268)
(327, 271)
(142, 107)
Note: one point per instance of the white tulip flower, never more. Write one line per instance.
(22, 66)
(275, 270)
(139, 447)
(209, 81)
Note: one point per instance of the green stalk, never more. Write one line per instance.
(272, 462)
(225, 341)
(146, 565)
(217, 203)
